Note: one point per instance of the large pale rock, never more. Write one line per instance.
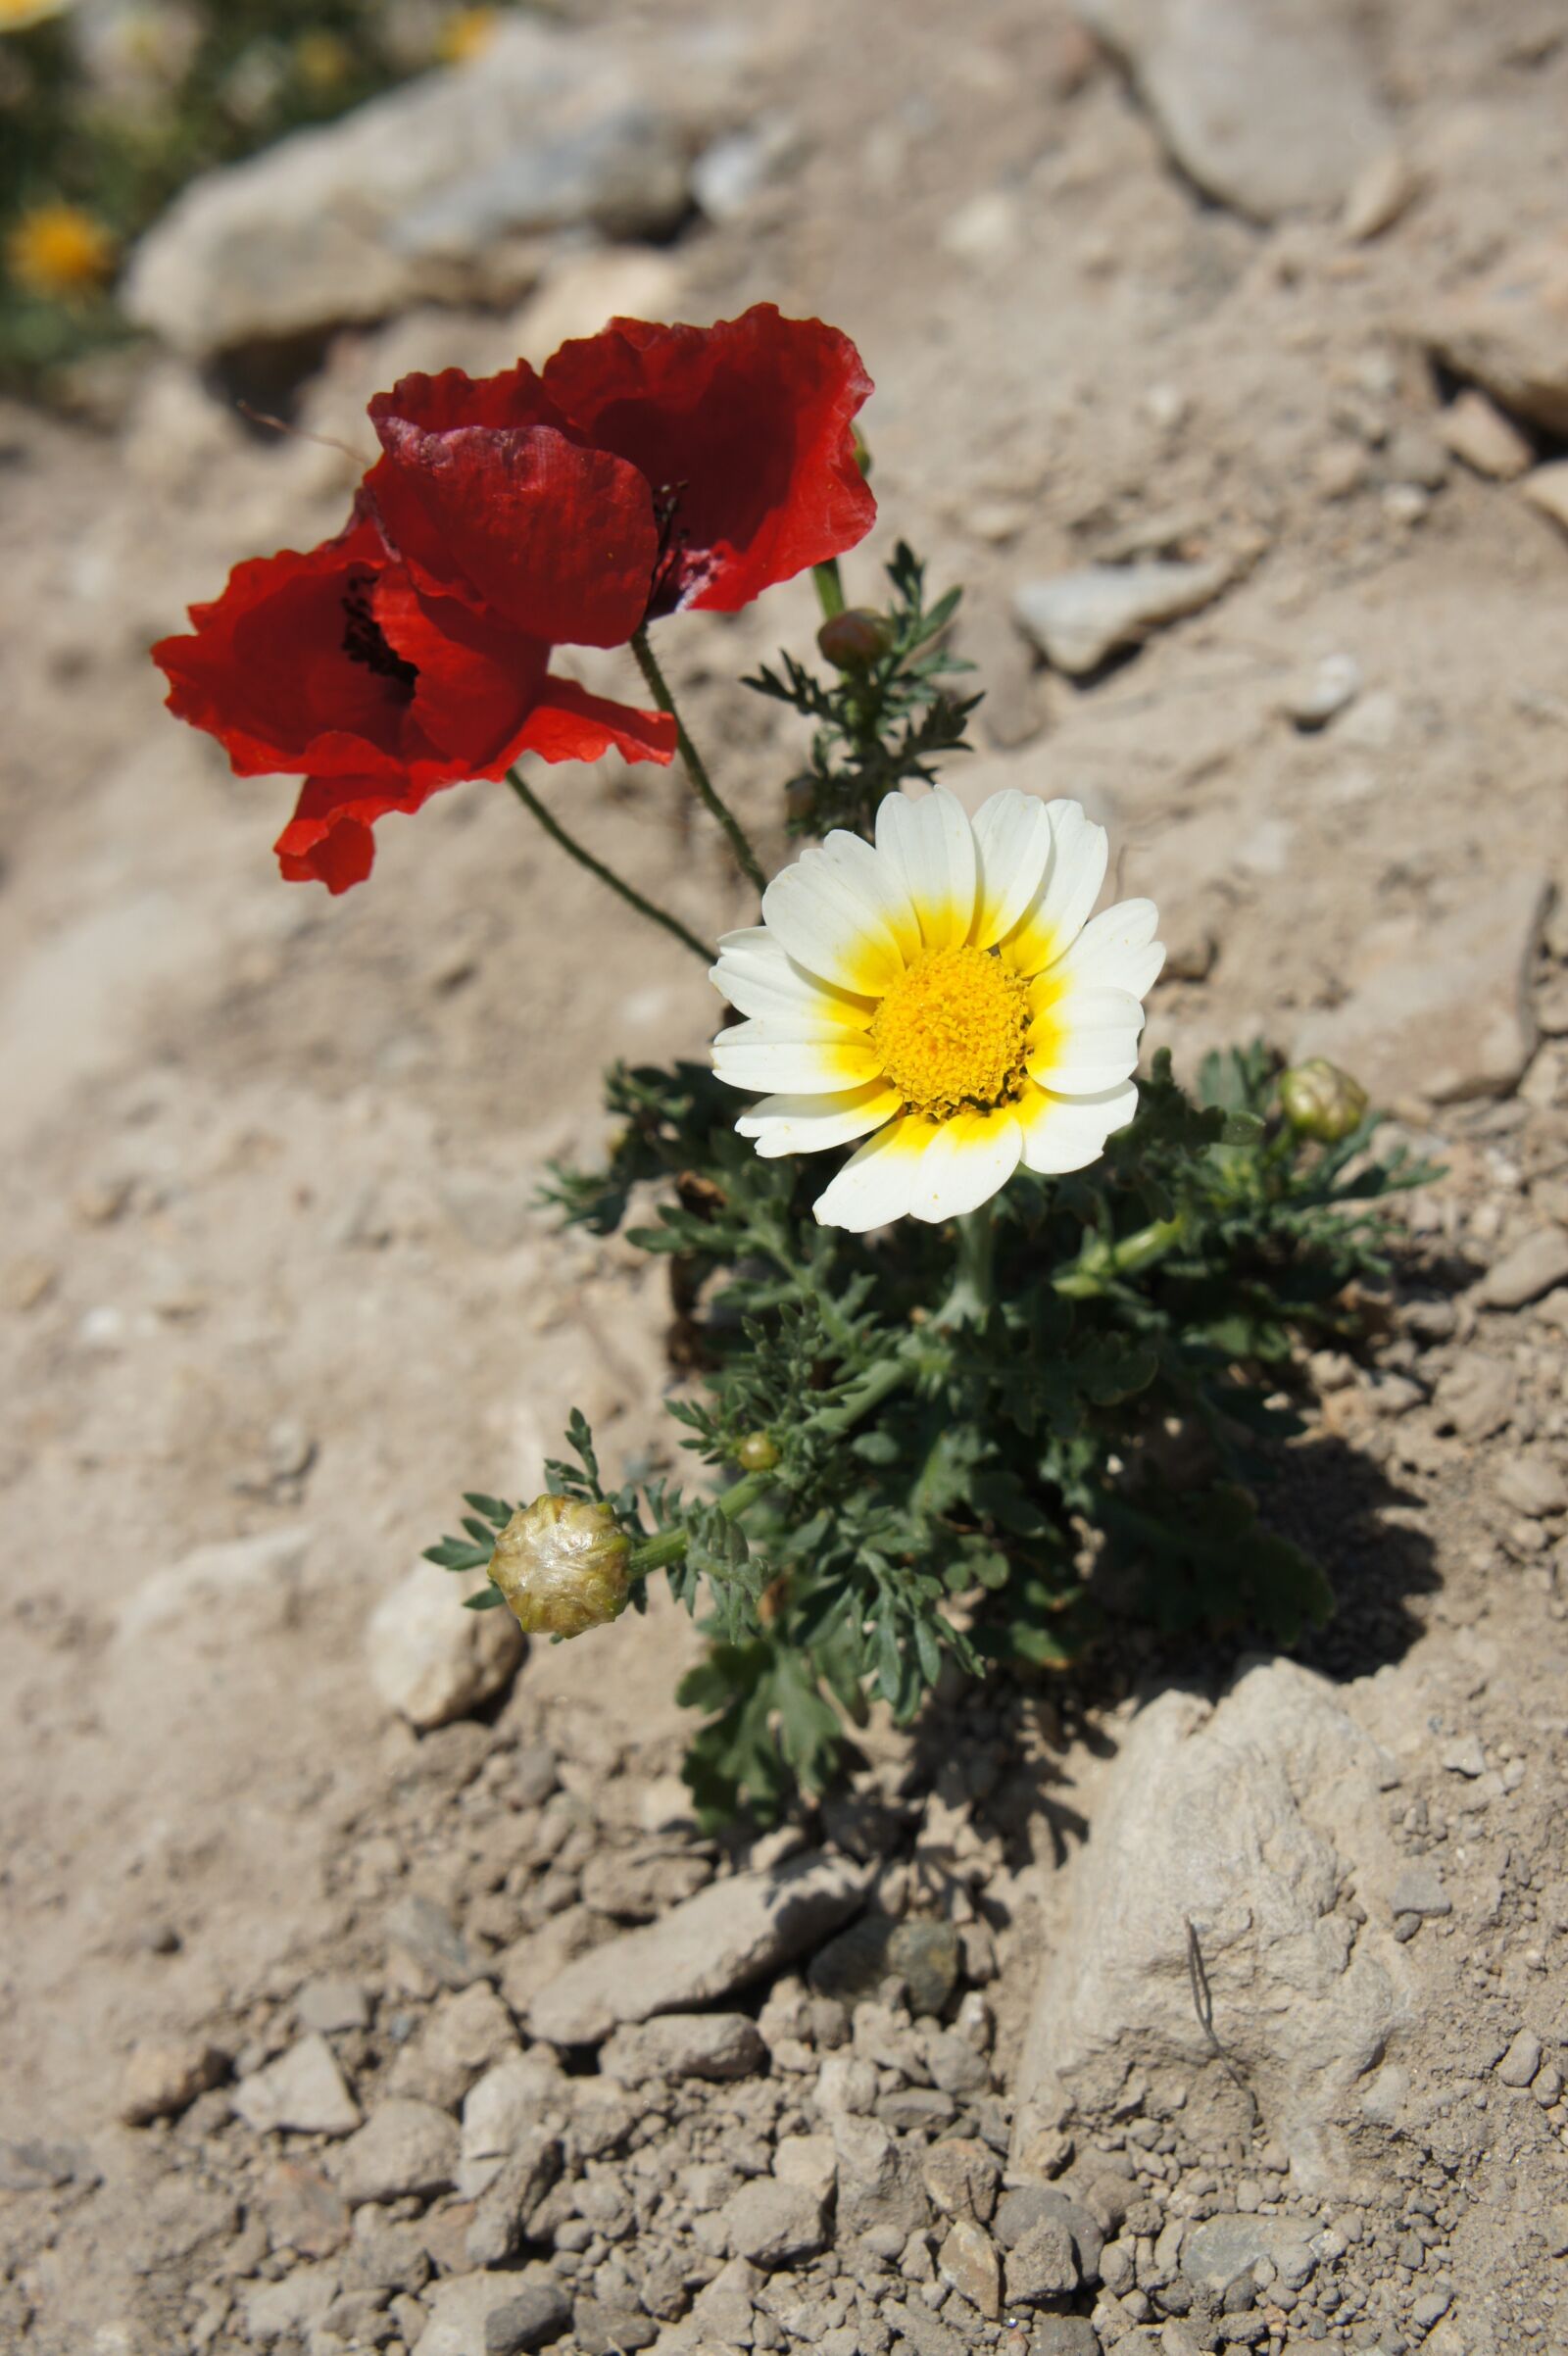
(1439, 1005)
(429, 1658)
(727, 1936)
(1248, 1821)
(260, 1577)
(1267, 105)
(442, 190)
(1078, 618)
(1508, 331)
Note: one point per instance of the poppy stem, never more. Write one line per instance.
(829, 587)
(696, 769)
(607, 875)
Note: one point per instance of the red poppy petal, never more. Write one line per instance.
(744, 427)
(476, 684)
(558, 539)
(567, 724)
(329, 839)
(515, 397)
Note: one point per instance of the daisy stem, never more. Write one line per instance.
(1099, 1264)
(975, 1277)
(695, 769)
(829, 587)
(657, 1553)
(607, 875)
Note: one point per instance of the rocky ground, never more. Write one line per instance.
(361, 1989)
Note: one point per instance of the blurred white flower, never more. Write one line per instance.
(944, 996)
(135, 49)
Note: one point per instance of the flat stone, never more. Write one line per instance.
(430, 1660)
(1522, 2060)
(1268, 104)
(1557, 2229)
(161, 2081)
(426, 1933)
(1482, 439)
(774, 2224)
(259, 1577)
(35, 2166)
(727, 1936)
(1535, 1266)
(962, 2177)
(403, 2147)
(1077, 619)
(1533, 1485)
(968, 2259)
(303, 2089)
(878, 2178)
(1042, 2265)
(1064, 2335)
(1217, 2252)
(1418, 1889)
(1464, 1756)
(497, 2230)
(603, 2330)
(714, 2046)
(289, 2308)
(1547, 489)
(1508, 332)
(1319, 694)
(1476, 1397)
(439, 191)
(301, 2211)
(333, 2002)
(493, 2314)
(1439, 1006)
(512, 2102)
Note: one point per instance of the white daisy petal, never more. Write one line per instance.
(1012, 834)
(933, 843)
(1079, 852)
(809, 1060)
(1068, 1133)
(1118, 946)
(875, 1185)
(1082, 1039)
(969, 1160)
(881, 881)
(809, 1124)
(830, 924)
(756, 977)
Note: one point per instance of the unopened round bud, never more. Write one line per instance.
(851, 640)
(1320, 1101)
(560, 1563)
(757, 1453)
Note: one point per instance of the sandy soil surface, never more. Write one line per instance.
(274, 1288)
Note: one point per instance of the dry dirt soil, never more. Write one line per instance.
(274, 1289)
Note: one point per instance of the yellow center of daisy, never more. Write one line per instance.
(951, 1032)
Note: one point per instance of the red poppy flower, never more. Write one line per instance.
(337, 665)
(646, 468)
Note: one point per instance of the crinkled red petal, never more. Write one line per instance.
(567, 724)
(558, 539)
(329, 840)
(743, 431)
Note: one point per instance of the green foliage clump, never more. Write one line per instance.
(956, 1433)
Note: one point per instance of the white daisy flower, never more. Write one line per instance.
(944, 996)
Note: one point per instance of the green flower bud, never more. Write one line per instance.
(560, 1563)
(851, 640)
(1320, 1101)
(757, 1453)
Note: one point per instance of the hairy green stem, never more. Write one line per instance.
(829, 587)
(607, 875)
(1099, 1264)
(975, 1277)
(696, 767)
(657, 1553)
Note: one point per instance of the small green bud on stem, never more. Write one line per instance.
(1320, 1101)
(562, 1565)
(856, 638)
(757, 1453)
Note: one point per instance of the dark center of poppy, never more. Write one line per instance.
(366, 642)
(664, 590)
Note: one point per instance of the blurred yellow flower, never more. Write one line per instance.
(467, 34)
(17, 15)
(324, 60)
(60, 250)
